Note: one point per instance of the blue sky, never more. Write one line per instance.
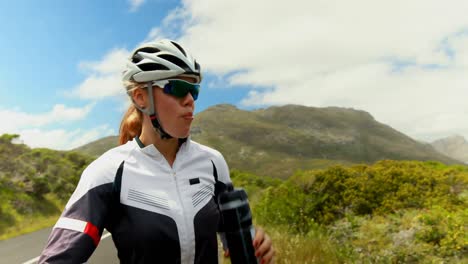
(406, 66)
(44, 43)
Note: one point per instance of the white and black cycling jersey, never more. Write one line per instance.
(156, 213)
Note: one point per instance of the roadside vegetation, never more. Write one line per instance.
(389, 212)
(34, 185)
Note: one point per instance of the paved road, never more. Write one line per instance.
(26, 248)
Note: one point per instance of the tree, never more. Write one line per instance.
(7, 138)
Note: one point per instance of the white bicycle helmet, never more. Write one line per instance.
(160, 60)
(155, 61)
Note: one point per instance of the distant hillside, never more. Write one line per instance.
(277, 141)
(455, 147)
(99, 146)
(34, 184)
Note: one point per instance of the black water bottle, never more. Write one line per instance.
(237, 224)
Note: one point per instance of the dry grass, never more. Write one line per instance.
(293, 248)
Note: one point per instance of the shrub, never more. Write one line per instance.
(386, 187)
(444, 230)
(40, 186)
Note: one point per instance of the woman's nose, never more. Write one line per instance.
(188, 99)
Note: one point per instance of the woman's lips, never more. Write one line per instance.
(188, 116)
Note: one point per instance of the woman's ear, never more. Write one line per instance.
(139, 96)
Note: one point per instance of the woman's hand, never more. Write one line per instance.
(262, 244)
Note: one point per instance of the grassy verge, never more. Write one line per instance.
(29, 225)
(19, 224)
(314, 247)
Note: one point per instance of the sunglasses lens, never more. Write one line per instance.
(180, 88)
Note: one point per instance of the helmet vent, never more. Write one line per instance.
(180, 48)
(197, 66)
(152, 67)
(148, 50)
(176, 61)
(137, 58)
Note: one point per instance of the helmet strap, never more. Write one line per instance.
(154, 115)
(158, 128)
(151, 112)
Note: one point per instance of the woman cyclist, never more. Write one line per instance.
(156, 193)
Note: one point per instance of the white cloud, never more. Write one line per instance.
(171, 27)
(61, 139)
(33, 132)
(14, 120)
(403, 61)
(104, 76)
(97, 87)
(113, 62)
(135, 4)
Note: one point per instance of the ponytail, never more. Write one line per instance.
(130, 127)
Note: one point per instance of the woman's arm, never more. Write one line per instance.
(78, 230)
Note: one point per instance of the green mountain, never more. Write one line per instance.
(99, 146)
(277, 141)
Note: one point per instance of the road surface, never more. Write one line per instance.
(25, 249)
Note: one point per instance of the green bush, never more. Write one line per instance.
(444, 230)
(386, 187)
(285, 205)
(254, 185)
(40, 186)
(7, 138)
(408, 236)
(28, 180)
(390, 212)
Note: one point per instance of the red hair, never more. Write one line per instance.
(132, 121)
(130, 127)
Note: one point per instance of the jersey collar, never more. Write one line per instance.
(152, 151)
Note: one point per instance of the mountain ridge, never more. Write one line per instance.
(281, 139)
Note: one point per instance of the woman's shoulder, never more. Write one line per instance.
(105, 166)
(215, 156)
(101, 171)
(205, 149)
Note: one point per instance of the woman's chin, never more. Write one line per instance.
(180, 134)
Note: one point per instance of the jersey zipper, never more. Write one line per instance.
(186, 223)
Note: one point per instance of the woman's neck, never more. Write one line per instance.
(167, 147)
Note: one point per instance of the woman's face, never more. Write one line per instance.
(175, 114)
